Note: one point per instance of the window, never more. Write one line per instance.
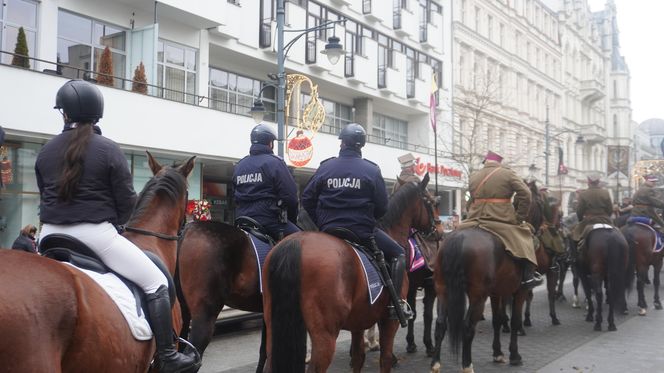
(615, 89)
(390, 131)
(235, 93)
(477, 19)
(424, 19)
(265, 27)
(463, 11)
(82, 40)
(501, 35)
(384, 59)
(489, 27)
(176, 71)
(14, 15)
(411, 72)
(366, 6)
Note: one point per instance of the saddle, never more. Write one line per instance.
(649, 223)
(69, 249)
(254, 228)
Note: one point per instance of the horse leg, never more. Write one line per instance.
(517, 308)
(323, 344)
(387, 330)
(526, 319)
(475, 312)
(504, 318)
(371, 341)
(587, 290)
(497, 322)
(412, 292)
(439, 335)
(427, 302)
(643, 306)
(575, 285)
(262, 350)
(657, 269)
(561, 280)
(551, 280)
(357, 354)
(597, 285)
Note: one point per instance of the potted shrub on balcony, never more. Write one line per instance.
(105, 68)
(139, 83)
(21, 50)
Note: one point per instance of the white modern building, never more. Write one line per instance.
(206, 62)
(544, 84)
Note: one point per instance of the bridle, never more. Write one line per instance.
(429, 206)
(163, 236)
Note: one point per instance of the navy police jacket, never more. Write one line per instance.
(105, 191)
(347, 192)
(260, 180)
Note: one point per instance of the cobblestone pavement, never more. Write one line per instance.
(570, 347)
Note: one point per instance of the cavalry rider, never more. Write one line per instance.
(86, 190)
(645, 202)
(551, 235)
(349, 192)
(264, 187)
(491, 208)
(594, 207)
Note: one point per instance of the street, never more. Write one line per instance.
(570, 347)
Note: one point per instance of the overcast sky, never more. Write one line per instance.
(641, 33)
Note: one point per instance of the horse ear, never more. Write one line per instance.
(425, 181)
(187, 166)
(154, 165)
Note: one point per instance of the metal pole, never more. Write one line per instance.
(546, 148)
(618, 174)
(281, 74)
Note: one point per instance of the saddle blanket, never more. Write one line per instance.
(374, 283)
(261, 249)
(416, 257)
(647, 222)
(124, 299)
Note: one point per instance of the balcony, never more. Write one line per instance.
(592, 90)
(593, 133)
(340, 3)
(407, 23)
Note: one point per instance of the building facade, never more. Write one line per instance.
(206, 63)
(532, 82)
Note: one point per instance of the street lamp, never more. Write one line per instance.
(547, 141)
(333, 50)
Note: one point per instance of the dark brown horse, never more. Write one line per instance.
(641, 242)
(55, 318)
(473, 263)
(314, 283)
(605, 259)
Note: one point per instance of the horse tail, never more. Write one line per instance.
(455, 283)
(289, 337)
(632, 246)
(617, 253)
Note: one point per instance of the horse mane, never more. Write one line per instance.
(397, 204)
(169, 182)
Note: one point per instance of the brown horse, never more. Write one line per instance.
(314, 283)
(641, 241)
(473, 263)
(605, 259)
(55, 318)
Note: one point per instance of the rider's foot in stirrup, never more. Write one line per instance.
(532, 281)
(405, 308)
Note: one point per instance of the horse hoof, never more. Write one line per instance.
(435, 368)
(521, 332)
(506, 329)
(411, 348)
(555, 321)
(429, 352)
(612, 328)
(500, 359)
(575, 304)
(527, 322)
(468, 369)
(597, 327)
(642, 312)
(516, 362)
(658, 306)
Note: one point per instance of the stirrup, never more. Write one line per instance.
(536, 280)
(407, 310)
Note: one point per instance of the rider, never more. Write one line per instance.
(492, 189)
(264, 187)
(349, 192)
(645, 202)
(594, 207)
(86, 190)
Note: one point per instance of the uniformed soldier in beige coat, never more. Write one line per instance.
(491, 208)
(594, 207)
(645, 202)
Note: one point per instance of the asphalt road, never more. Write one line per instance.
(570, 347)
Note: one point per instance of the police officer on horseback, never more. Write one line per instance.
(594, 207)
(86, 189)
(264, 187)
(645, 202)
(349, 192)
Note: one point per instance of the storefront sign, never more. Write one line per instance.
(422, 168)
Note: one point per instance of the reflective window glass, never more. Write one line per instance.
(74, 27)
(21, 12)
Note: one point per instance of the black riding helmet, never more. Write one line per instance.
(81, 101)
(353, 135)
(263, 134)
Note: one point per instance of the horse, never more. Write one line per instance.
(473, 263)
(55, 318)
(641, 242)
(605, 259)
(314, 282)
(568, 223)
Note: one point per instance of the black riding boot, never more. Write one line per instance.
(531, 278)
(170, 361)
(397, 270)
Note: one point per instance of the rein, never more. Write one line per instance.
(154, 234)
